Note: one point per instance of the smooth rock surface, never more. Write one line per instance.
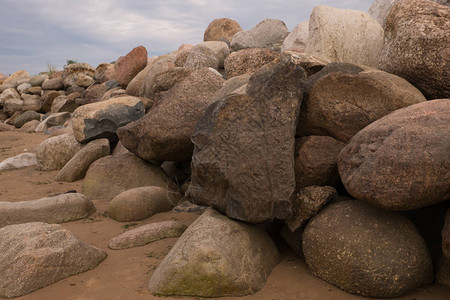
(128, 66)
(297, 39)
(55, 152)
(18, 161)
(247, 61)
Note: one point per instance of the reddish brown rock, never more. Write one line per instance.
(94, 93)
(221, 30)
(248, 61)
(128, 66)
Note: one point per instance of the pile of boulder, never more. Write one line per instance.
(340, 130)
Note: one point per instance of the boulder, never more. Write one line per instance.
(342, 35)
(53, 84)
(94, 93)
(216, 257)
(101, 119)
(18, 161)
(297, 39)
(164, 132)
(243, 161)
(316, 161)
(104, 72)
(141, 203)
(56, 119)
(57, 209)
(13, 117)
(230, 86)
(78, 74)
(247, 61)
(13, 80)
(26, 117)
(6, 127)
(42, 254)
(22, 87)
(167, 79)
(38, 80)
(162, 64)
(128, 66)
(400, 162)
(55, 152)
(65, 105)
(47, 99)
(109, 176)
(446, 235)
(221, 30)
(344, 98)
(145, 234)
(30, 126)
(8, 94)
(418, 51)
(77, 166)
(390, 261)
(31, 102)
(201, 57)
(137, 84)
(34, 90)
(11, 106)
(269, 34)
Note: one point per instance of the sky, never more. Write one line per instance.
(36, 34)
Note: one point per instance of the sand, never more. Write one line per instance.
(124, 274)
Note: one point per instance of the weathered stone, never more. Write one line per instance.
(446, 235)
(78, 74)
(55, 152)
(78, 165)
(418, 51)
(216, 257)
(101, 119)
(248, 61)
(391, 260)
(22, 87)
(8, 94)
(201, 57)
(26, 117)
(30, 126)
(181, 58)
(104, 72)
(66, 105)
(57, 209)
(19, 161)
(109, 176)
(47, 99)
(297, 39)
(342, 35)
(14, 116)
(31, 102)
(230, 86)
(128, 66)
(269, 34)
(42, 254)
(221, 30)
(162, 64)
(12, 81)
(94, 93)
(400, 162)
(220, 49)
(316, 161)
(146, 234)
(164, 132)
(56, 119)
(34, 90)
(344, 98)
(167, 79)
(11, 106)
(308, 202)
(111, 84)
(136, 86)
(141, 203)
(6, 127)
(243, 162)
(38, 80)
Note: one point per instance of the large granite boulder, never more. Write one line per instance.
(104, 72)
(243, 162)
(200, 57)
(101, 119)
(418, 51)
(42, 254)
(55, 152)
(221, 30)
(341, 35)
(109, 176)
(216, 257)
(366, 251)
(269, 33)
(53, 84)
(297, 39)
(145, 82)
(218, 52)
(78, 74)
(94, 93)
(164, 132)
(8, 94)
(344, 98)
(400, 162)
(128, 66)
(247, 61)
(14, 80)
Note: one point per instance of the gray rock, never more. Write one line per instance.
(55, 152)
(201, 57)
(243, 161)
(145, 234)
(230, 86)
(141, 203)
(26, 117)
(42, 254)
(297, 39)
(78, 165)
(383, 248)
(57, 209)
(400, 162)
(19, 161)
(11, 106)
(216, 257)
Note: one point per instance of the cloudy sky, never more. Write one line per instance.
(38, 33)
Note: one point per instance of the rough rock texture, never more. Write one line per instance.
(446, 235)
(164, 132)
(56, 119)
(8, 94)
(101, 119)
(30, 126)
(18, 161)
(443, 271)
(42, 254)
(94, 93)
(166, 80)
(162, 64)
(13, 80)
(308, 202)
(221, 30)
(201, 57)
(146, 234)
(128, 66)
(52, 84)
(27, 116)
(55, 152)
(216, 257)
(269, 34)
(345, 36)
(418, 51)
(141, 203)
(316, 161)
(297, 39)
(248, 61)
(400, 162)
(38, 80)
(31, 102)
(391, 260)
(6, 127)
(344, 98)
(230, 86)
(78, 165)
(78, 74)
(243, 162)
(104, 72)
(22, 87)
(47, 99)
(11, 106)
(109, 176)
(57, 209)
